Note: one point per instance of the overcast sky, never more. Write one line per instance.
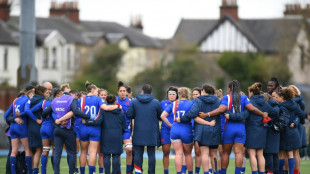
(160, 18)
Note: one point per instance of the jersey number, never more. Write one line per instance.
(17, 108)
(180, 113)
(90, 110)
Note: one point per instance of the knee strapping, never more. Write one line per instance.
(46, 148)
(128, 145)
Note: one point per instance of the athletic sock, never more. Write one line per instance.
(35, 170)
(184, 168)
(76, 170)
(261, 172)
(179, 172)
(29, 163)
(52, 161)
(197, 169)
(285, 172)
(205, 172)
(82, 170)
(291, 164)
(91, 169)
(43, 164)
(100, 170)
(138, 170)
(223, 171)
(13, 164)
(216, 172)
(254, 172)
(281, 165)
(243, 169)
(190, 172)
(296, 171)
(210, 170)
(244, 164)
(166, 171)
(237, 170)
(128, 168)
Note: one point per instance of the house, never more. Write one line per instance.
(274, 37)
(65, 44)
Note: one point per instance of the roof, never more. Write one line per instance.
(266, 34)
(64, 26)
(87, 32)
(136, 38)
(5, 35)
(193, 30)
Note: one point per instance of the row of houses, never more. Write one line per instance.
(64, 43)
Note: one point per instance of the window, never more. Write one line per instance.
(54, 58)
(5, 59)
(45, 58)
(77, 60)
(123, 64)
(68, 59)
(302, 56)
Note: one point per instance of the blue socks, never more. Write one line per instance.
(197, 169)
(76, 170)
(243, 169)
(184, 168)
(82, 170)
(223, 171)
(238, 170)
(35, 170)
(254, 172)
(91, 169)
(261, 172)
(281, 165)
(43, 164)
(291, 164)
(128, 168)
(52, 161)
(13, 164)
(179, 172)
(100, 170)
(190, 172)
(166, 171)
(210, 170)
(29, 163)
(205, 172)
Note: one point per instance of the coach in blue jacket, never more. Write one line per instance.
(146, 111)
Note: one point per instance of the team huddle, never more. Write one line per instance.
(269, 126)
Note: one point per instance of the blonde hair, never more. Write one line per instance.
(64, 86)
(295, 90)
(184, 92)
(267, 97)
(219, 93)
(256, 88)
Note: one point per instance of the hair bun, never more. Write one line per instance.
(87, 83)
(120, 83)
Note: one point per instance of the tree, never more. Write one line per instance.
(251, 67)
(102, 71)
(184, 70)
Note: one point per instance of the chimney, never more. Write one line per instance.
(229, 7)
(4, 10)
(69, 9)
(293, 9)
(136, 23)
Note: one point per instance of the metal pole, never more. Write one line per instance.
(27, 72)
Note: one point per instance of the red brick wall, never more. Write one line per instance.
(7, 96)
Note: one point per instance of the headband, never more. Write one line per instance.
(172, 92)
